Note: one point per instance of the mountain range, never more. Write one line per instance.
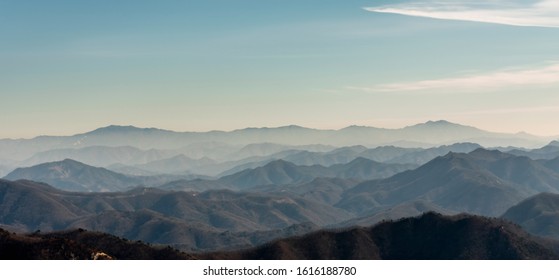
(195, 221)
(72, 175)
(550, 151)
(432, 133)
(481, 182)
(274, 197)
(283, 193)
(282, 172)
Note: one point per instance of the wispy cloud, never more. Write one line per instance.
(509, 111)
(543, 13)
(542, 76)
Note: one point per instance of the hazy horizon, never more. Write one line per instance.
(69, 67)
(266, 127)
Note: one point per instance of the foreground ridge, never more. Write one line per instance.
(431, 236)
(80, 245)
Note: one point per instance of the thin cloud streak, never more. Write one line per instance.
(539, 14)
(483, 82)
(503, 111)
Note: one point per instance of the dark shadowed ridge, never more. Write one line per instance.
(80, 245)
(430, 236)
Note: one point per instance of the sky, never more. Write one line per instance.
(68, 67)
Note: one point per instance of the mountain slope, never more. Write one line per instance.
(281, 172)
(194, 221)
(403, 210)
(482, 182)
(552, 164)
(278, 172)
(366, 169)
(451, 182)
(549, 151)
(430, 236)
(323, 190)
(384, 154)
(190, 236)
(425, 155)
(518, 169)
(30, 206)
(72, 175)
(538, 215)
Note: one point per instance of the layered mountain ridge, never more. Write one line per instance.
(430, 133)
(227, 191)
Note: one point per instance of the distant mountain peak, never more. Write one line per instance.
(450, 157)
(70, 161)
(287, 127)
(116, 128)
(293, 126)
(72, 175)
(362, 160)
(356, 127)
(485, 153)
(440, 122)
(66, 164)
(123, 129)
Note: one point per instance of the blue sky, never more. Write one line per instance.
(198, 65)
